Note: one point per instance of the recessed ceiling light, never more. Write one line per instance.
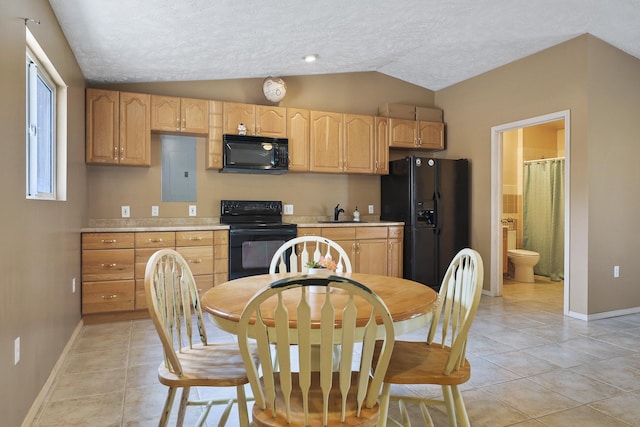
(311, 58)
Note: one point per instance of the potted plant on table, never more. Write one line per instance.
(323, 265)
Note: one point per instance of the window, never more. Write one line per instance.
(45, 126)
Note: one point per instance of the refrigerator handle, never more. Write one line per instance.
(436, 212)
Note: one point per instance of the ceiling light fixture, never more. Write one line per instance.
(311, 58)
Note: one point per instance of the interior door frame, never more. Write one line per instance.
(496, 198)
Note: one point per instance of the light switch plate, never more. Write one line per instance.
(288, 209)
(126, 211)
(192, 210)
(155, 210)
(370, 209)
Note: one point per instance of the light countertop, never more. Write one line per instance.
(199, 224)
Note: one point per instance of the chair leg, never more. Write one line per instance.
(384, 404)
(461, 411)
(242, 407)
(183, 406)
(166, 411)
(449, 403)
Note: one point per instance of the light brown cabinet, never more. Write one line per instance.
(114, 264)
(214, 140)
(262, 120)
(371, 249)
(298, 133)
(146, 244)
(381, 145)
(325, 142)
(220, 256)
(187, 115)
(342, 143)
(107, 272)
(395, 246)
(359, 144)
(117, 128)
(416, 134)
(197, 249)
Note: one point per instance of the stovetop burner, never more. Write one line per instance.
(252, 214)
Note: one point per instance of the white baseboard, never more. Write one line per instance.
(48, 385)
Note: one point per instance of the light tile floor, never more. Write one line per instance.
(531, 366)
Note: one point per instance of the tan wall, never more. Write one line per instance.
(311, 194)
(550, 81)
(600, 86)
(614, 199)
(40, 246)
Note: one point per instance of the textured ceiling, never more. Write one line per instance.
(430, 43)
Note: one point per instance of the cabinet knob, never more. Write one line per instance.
(114, 296)
(109, 265)
(108, 240)
(195, 261)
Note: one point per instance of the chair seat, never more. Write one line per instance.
(216, 365)
(421, 363)
(368, 416)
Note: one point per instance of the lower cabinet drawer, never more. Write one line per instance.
(111, 264)
(199, 258)
(204, 283)
(101, 297)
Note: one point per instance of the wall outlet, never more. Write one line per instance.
(192, 210)
(616, 271)
(73, 285)
(126, 211)
(16, 351)
(155, 210)
(288, 209)
(370, 209)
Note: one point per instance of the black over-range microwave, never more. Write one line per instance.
(254, 154)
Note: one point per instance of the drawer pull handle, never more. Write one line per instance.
(195, 238)
(156, 240)
(114, 296)
(195, 261)
(109, 241)
(109, 265)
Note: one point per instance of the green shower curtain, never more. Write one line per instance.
(543, 215)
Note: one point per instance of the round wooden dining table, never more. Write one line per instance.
(410, 303)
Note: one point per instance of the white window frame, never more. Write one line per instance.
(38, 66)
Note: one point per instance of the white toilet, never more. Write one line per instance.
(522, 260)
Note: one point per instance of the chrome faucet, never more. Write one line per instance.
(336, 212)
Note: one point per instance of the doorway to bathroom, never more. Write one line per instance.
(530, 193)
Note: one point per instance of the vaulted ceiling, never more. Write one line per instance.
(430, 43)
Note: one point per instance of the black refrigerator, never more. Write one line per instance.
(431, 197)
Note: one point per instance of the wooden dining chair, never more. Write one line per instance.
(351, 315)
(302, 249)
(441, 359)
(189, 360)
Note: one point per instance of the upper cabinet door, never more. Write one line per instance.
(235, 113)
(271, 121)
(194, 114)
(135, 132)
(402, 133)
(382, 146)
(165, 113)
(214, 142)
(431, 135)
(298, 134)
(102, 126)
(359, 144)
(326, 142)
